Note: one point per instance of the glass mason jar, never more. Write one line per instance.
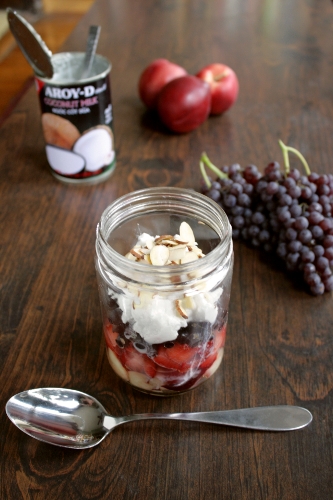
(164, 324)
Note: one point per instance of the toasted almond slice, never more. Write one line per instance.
(189, 257)
(159, 255)
(180, 310)
(180, 242)
(188, 303)
(130, 256)
(186, 233)
(197, 251)
(164, 237)
(136, 254)
(145, 299)
(177, 253)
(181, 245)
(147, 259)
(172, 243)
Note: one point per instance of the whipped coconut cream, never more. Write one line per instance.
(157, 319)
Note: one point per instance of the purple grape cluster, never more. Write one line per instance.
(234, 191)
(280, 211)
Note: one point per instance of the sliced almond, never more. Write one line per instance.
(130, 256)
(177, 253)
(172, 243)
(147, 259)
(150, 244)
(145, 297)
(163, 237)
(186, 233)
(180, 310)
(180, 242)
(197, 251)
(159, 255)
(188, 302)
(189, 257)
(136, 254)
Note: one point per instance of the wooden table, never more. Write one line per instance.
(279, 345)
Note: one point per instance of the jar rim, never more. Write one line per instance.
(158, 197)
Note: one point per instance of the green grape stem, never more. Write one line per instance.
(285, 153)
(206, 161)
(204, 175)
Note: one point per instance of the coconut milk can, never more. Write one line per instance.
(77, 119)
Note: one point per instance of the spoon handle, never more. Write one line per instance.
(94, 32)
(265, 418)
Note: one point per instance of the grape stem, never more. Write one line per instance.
(285, 153)
(204, 175)
(206, 161)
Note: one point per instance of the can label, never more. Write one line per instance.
(77, 124)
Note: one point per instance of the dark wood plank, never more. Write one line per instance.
(279, 344)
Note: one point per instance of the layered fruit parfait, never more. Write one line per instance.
(165, 342)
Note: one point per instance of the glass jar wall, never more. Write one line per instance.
(164, 260)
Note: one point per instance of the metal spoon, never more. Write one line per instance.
(73, 419)
(33, 47)
(92, 42)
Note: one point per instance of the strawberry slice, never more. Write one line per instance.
(138, 362)
(208, 361)
(111, 337)
(219, 337)
(213, 347)
(177, 357)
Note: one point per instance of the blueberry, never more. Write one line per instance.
(194, 333)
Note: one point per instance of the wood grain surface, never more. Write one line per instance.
(279, 347)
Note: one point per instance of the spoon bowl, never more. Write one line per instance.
(31, 44)
(73, 419)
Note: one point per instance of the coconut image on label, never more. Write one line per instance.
(58, 131)
(69, 152)
(64, 161)
(95, 146)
